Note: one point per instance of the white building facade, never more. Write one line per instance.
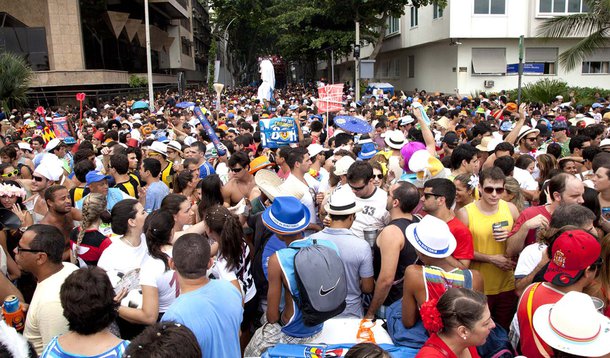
(473, 45)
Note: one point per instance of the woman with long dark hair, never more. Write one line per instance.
(210, 193)
(233, 258)
(159, 286)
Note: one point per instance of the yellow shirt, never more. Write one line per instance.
(495, 279)
(167, 175)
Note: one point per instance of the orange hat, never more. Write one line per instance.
(259, 163)
(223, 127)
(511, 107)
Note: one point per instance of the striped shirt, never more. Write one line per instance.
(54, 350)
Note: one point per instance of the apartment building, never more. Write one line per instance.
(473, 45)
(99, 44)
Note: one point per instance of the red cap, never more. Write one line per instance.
(133, 143)
(99, 135)
(573, 251)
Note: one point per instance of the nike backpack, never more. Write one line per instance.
(321, 281)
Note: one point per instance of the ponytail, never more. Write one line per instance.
(94, 207)
(159, 226)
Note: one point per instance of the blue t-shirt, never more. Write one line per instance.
(206, 169)
(155, 193)
(114, 196)
(213, 313)
(54, 350)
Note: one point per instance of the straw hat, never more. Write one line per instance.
(573, 325)
(431, 237)
(342, 202)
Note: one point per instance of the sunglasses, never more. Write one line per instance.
(491, 189)
(357, 188)
(11, 174)
(37, 178)
(22, 249)
(378, 176)
(531, 139)
(236, 170)
(431, 195)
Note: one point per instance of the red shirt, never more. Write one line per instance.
(525, 215)
(435, 347)
(464, 249)
(542, 296)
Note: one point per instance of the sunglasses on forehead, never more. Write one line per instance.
(11, 174)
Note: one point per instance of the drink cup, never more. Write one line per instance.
(370, 235)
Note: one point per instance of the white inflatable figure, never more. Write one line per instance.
(265, 90)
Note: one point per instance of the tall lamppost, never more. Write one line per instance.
(151, 98)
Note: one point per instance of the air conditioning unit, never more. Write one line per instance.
(488, 84)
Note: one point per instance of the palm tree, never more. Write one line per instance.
(594, 25)
(15, 75)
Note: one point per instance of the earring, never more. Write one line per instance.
(464, 337)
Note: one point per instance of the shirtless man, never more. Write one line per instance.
(59, 214)
(241, 182)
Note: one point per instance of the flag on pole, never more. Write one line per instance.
(330, 98)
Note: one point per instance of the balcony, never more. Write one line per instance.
(174, 9)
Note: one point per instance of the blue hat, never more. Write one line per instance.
(94, 176)
(597, 105)
(367, 151)
(559, 125)
(506, 126)
(286, 216)
(230, 115)
(69, 140)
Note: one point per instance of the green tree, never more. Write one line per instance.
(301, 32)
(211, 65)
(15, 75)
(594, 25)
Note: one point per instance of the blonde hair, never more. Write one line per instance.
(94, 205)
(512, 186)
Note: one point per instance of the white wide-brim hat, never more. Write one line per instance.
(395, 140)
(431, 237)
(573, 325)
(342, 202)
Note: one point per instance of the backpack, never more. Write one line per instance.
(321, 281)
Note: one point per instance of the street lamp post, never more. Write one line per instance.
(357, 62)
(151, 98)
(224, 50)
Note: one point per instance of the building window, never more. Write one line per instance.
(394, 68)
(490, 7)
(597, 62)
(543, 55)
(489, 61)
(595, 67)
(393, 26)
(562, 6)
(414, 16)
(437, 11)
(411, 66)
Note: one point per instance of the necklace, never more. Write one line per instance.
(126, 241)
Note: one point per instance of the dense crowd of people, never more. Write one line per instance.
(470, 226)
